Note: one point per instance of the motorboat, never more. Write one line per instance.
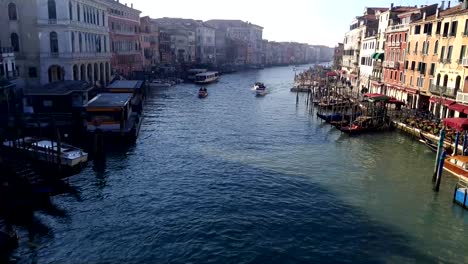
(260, 89)
(202, 93)
(48, 151)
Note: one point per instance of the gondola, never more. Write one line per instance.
(430, 144)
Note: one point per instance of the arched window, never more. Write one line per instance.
(103, 19)
(70, 10)
(445, 80)
(438, 79)
(416, 48)
(436, 47)
(78, 12)
(12, 11)
(54, 42)
(15, 42)
(424, 47)
(52, 9)
(409, 47)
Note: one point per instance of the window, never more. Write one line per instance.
(445, 80)
(54, 42)
(12, 11)
(80, 41)
(465, 32)
(15, 42)
(431, 72)
(424, 48)
(442, 53)
(449, 53)
(409, 47)
(411, 80)
(413, 65)
(462, 52)
(439, 25)
(416, 48)
(70, 10)
(438, 79)
(105, 44)
(52, 10)
(453, 29)
(423, 68)
(32, 72)
(73, 41)
(78, 13)
(446, 29)
(417, 29)
(103, 19)
(436, 47)
(406, 65)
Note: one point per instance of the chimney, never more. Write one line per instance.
(391, 6)
(442, 6)
(438, 12)
(448, 6)
(424, 16)
(464, 5)
(131, 5)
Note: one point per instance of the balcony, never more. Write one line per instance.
(441, 90)
(462, 98)
(465, 62)
(397, 28)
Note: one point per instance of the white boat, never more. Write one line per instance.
(206, 77)
(260, 89)
(160, 84)
(192, 73)
(47, 151)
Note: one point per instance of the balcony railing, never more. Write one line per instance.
(397, 28)
(462, 98)
(465, 62)
(441, 90)
(75, 55)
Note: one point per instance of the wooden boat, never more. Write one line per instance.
(362, 124)
(458, 166)
(331, 117)
(429, 143)
(47, 151)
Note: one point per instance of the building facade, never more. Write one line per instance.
(124, 25)
(149, 39)
(58, 40)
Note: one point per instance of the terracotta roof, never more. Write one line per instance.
(456, 10)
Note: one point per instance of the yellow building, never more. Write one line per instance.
(421, 57)
(449, 85)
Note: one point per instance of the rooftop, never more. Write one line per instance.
(110, 100)
(126, 85)
(59, 88)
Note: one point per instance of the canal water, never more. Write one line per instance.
(237, 179)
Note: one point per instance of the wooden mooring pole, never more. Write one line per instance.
(440, 171)
(440, 147)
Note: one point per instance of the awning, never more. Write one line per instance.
(411, 91)
(374, 56)
(459, 108)
(380, 56)
(331, 74)
(448, 102)
(459, 124)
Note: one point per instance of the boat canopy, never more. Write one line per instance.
(460, 124)
(375, 97)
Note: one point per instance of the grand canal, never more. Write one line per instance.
(237, 179)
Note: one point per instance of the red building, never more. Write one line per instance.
(395, 47)
(124, 26)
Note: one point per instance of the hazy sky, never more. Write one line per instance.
(309, 21)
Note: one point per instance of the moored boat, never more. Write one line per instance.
(49, 151)
(160, 84)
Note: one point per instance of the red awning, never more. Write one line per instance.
(372, 95)
(459, 124)
(448, 102)
(395, 101)
(411, 91)
(433, 99)
(331, 74)
(458, 107)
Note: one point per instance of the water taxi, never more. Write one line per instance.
(112, 113)
(206, 78)
(202, 93)
(260, 89)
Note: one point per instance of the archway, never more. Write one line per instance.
(96, 73)
(76, 76)
(83, 72)
(90, 73)
(102, 79)
(445, 80)
(55, 73)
